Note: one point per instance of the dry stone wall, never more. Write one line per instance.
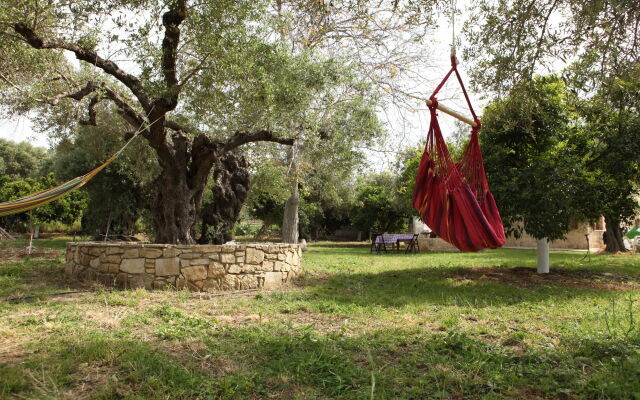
(196, 267)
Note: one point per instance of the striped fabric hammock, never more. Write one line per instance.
(453, 198)
(49, 195)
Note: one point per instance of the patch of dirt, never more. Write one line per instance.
(319, 321)
(196, 353)
(45, 279)
(308, 278)
(530, 394)
(14, 339)
(91, 377)
(11, 351)
(83, 385)
(527, 278)
(106, 318)
(232, 313)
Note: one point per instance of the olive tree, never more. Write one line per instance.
(197, 80)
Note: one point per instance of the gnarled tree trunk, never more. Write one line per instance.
(175, 208)
(231, 186)
(613, 238)
(186, 165)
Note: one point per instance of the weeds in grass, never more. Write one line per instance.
(177, 326)
(622, 320)
(373, 375)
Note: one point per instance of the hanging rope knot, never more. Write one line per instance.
(454, 59)
(434, 103)
(478, 124)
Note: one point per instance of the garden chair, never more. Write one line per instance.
(376, 246)
(412, 246)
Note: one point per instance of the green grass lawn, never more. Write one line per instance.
(355, 326)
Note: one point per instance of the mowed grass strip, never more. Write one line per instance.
(356, 326)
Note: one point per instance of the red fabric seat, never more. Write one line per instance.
(453, 199)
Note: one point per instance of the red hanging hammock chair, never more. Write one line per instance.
(453, 199)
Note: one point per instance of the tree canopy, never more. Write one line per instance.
(375, 205)
(118, 196)
(202, 83)
(611, 148)
(21, 160)
(512, 40)
(538, 182)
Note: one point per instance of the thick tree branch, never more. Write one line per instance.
(171, 21)
(124, 109)
(92, 112)
(77, 95)
(180, 147)
(240, 138)
(88, 55)
(175, 126)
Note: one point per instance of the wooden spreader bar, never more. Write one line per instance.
(454, 114)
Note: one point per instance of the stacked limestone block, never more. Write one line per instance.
(196, 267)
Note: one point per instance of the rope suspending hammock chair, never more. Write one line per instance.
(453, 199)
(49, 195)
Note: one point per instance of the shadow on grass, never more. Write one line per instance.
(424, 286)
(32, 276)
(273, 361)
(475, 280)
(329, 253)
